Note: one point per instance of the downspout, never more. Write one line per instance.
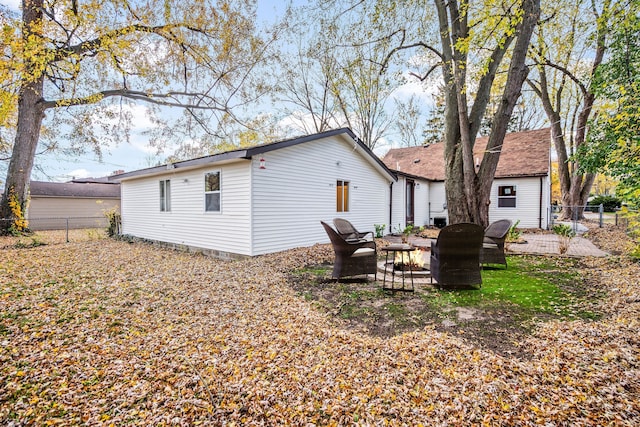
(390, 204)
(540, 216)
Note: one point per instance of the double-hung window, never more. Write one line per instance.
(507, 196)
(165, 195)
(342, 196)
(212, 192)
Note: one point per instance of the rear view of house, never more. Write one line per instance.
(520, 190)
(258, 200)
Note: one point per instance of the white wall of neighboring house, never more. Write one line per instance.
(187, 223)
(51, 212)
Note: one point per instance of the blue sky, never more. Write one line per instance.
(136, 154)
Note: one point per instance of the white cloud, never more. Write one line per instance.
(12, 4)
(414, 87)
(80, 173)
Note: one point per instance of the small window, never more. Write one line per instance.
(342, 196)
(212, 192)
(507, 196)
(165, 195)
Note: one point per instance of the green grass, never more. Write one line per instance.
(316, 270)
(532, 285)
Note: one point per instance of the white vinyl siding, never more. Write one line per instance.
(438, 202)
(527, 202)
(421, 192)
(188, 223)
(297, 189)
(527, 198)
(267, 209)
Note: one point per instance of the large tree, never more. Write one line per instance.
(472, 44)
(468, 190)
(88, 59)
(569, 49)
(614, 138)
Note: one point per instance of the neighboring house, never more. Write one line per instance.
(76, 204)
(258, 200)
(520, 191)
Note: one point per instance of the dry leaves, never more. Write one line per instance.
(111, 333)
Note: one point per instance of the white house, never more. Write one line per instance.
(259, 200)
(520, 192)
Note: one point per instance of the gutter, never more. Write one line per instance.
(540, 216)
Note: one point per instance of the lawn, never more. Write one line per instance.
(499, 316)
(104, 332)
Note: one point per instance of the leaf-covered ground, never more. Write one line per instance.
(102, 332)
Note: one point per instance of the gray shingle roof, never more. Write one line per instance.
(75, 189)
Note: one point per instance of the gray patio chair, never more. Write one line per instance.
(455, 256)
(348, 231)
(352, 258)
(495, 236)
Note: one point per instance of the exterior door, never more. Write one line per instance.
(410, 201)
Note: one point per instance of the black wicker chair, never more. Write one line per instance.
(494, 240)
(348, 231)
(352, 258)
(455, 257)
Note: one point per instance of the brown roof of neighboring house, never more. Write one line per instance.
(523, 154)
(75, 189)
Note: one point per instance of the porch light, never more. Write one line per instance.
(262, 163)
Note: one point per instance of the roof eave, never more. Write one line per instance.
(248, 153)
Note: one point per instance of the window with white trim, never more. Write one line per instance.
(212, 192)
(165, 195)
(507, 196)
(342, 196)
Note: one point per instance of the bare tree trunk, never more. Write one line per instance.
(468, 190)
(30, 116)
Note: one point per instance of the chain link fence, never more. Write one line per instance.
(591, 212)
(64, 229)
(629, 219)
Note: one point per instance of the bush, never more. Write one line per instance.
(610, 203)
(513, 235)
(566, 233)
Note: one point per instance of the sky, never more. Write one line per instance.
(136, 154)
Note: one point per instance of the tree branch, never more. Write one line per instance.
(59, 54)
(169, 99)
